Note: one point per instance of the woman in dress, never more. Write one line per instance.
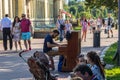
(84, 29)
(16, 32)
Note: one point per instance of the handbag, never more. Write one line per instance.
(62, 27)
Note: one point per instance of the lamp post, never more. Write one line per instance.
(117, 54)
(119, 32)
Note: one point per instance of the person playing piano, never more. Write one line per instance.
(49, 44)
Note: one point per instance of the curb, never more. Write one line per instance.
(102, 55)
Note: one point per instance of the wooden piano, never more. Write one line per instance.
(70, 51)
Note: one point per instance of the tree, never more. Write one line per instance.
(111, 4)
(73, 10)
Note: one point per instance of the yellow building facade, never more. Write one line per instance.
(40, 12)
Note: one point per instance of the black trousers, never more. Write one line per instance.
(7, 32)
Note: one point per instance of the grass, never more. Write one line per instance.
(77, 28)
(114, 73)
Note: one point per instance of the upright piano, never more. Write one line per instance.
(70, 51)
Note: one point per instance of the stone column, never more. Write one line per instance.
(0, 9)
(58, 4)
(21, 7)
(46, 8)
(10, 9)
(1, 35)
(3, 9)
(14, 7)
(46, 11)
(6, 7)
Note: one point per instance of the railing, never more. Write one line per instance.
(43, 25)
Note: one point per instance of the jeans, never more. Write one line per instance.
(61, 34)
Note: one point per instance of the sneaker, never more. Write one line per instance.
(29, 48)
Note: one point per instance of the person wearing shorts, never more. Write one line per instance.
(26, 31)
(109, 26)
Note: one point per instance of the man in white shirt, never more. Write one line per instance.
(6, 25)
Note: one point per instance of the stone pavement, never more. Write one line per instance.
(12, 67)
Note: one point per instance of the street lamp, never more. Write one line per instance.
(117, 54)
(119, 32)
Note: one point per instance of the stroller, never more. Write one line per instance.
(39, 66)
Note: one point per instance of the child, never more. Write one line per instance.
(94, 63)
(81, 59)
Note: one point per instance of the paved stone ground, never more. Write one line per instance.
(12, 67)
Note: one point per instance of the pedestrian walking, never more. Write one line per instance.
(91, 21)
(109, 26)
(84, 28)
(6, 25)
(26, 31)
(99, 23)
(16, 32)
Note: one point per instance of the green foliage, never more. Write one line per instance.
(85, 14)
(114, 73)
(77, 28)
(72, 3)
(73, 10)
(66, 7)
(80, 8)
(94, 8)
(111, 4)
(110, 53)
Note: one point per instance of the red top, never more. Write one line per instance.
(25, 25)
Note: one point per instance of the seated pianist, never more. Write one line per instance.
(49, 44)
(67, 51)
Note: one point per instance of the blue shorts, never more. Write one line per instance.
(26, 35)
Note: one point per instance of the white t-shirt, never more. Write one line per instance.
(68, 26)
(98, 21)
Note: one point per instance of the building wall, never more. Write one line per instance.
(36, 9)
(40, 12)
